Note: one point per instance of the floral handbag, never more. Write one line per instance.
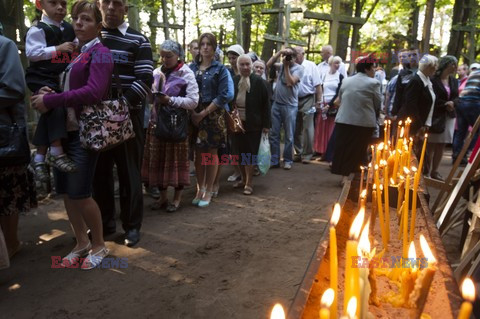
(106, 124)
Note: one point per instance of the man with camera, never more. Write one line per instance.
(285, 103)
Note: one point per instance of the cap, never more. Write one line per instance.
(474, 66)
(236, 48)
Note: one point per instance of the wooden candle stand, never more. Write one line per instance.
(443, 300)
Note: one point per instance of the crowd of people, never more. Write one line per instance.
(325, 115)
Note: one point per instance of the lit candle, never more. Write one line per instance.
(399, 127)
(409, 276)
(379, 207)
(364, 252)
(386, 201)
(362, 168)
(325, 303)
(410, 146)
(468, 293)
(373, 155)
(378, 157)
(373, 215)
(400, 196)
(416, 179)
(407, 127)
(385, 131)
(363, 198)
(368, 175)
(422, 156)
(418, 297)
(277, 312)
(334, 258)
(351, 274)
(352, 308)
(405, 213)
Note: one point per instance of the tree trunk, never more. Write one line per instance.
(427, 26)
(247, 27)
(413, 26)
(153, 30)
(455, 45)
(272, 27)
(346, 7)
(197, 19)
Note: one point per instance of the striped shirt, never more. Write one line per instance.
(132, 55)
(471, 92)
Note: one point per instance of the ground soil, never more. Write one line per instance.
(234, 259)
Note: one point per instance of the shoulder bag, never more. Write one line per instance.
(234, 123)
(14, 147)
(107, 124)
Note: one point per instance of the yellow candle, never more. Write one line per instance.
(422, 156)
(407, 127)
(351, 273)
(334, 258)
(364, 251)
(277, 312)
(405, 213)
(373, 215)
(395, 165)
(468, 293)
(378, 157)
(418, 297)
(362, 168)
(325, 303)
(352, 308)
(408, 276)
(400, 196)
(368, 175)
(386, 201)
(385, 130)
(410, 146)
(416, 179)
(379, 207)
(399, 128)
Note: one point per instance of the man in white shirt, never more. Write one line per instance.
(324, 67)
(309, 95)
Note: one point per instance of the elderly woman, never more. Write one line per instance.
(85, 84)
(165, 162)
(251, 100)
(17, 188)
(356, 119)
(445, 87)
(331, 82)
(216, 90)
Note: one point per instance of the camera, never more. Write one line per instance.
(288, 57)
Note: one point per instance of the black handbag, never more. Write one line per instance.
(172, 123)
(14, 147)
(438, 124)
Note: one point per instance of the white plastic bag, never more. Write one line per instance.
(264, 155)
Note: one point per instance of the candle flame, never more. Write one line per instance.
(357, 224)
(468, 290)
(400, 123)
(277, 312)
(414, 169)
(364, 193)
(426, 250)
(376, 167)
(426, 135)
(392, 182)
(411, 140)
(406, 171)
(362, 167)
(352, 307)
(374, 187)
(327, 298)
(335, 215)
(383, 163)
(363, 248)
(402, 131)
(380, 146)
(369, 165)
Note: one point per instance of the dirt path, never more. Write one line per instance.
(234, 259)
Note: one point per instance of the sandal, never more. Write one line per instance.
(74, 256)
(239, 184)
(41, 172)
(158, 206)
(248, 190)
(196, 200)
(172, 208)
(62, 162)
(94, 260)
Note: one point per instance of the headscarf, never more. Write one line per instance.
(444, 62)
(175, 47)
(244, 83)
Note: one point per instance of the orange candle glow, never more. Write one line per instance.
(277, 312)
(334, 258)
(351, 274)
(325, 303)
(468, 293)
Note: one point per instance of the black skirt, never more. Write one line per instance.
(351, 143)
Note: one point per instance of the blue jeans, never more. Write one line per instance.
(467, 113)
(286, 115)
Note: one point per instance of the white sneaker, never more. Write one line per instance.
(232, 178)
(287, 166)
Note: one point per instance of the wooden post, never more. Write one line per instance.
(133, 17)
(238, 4)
